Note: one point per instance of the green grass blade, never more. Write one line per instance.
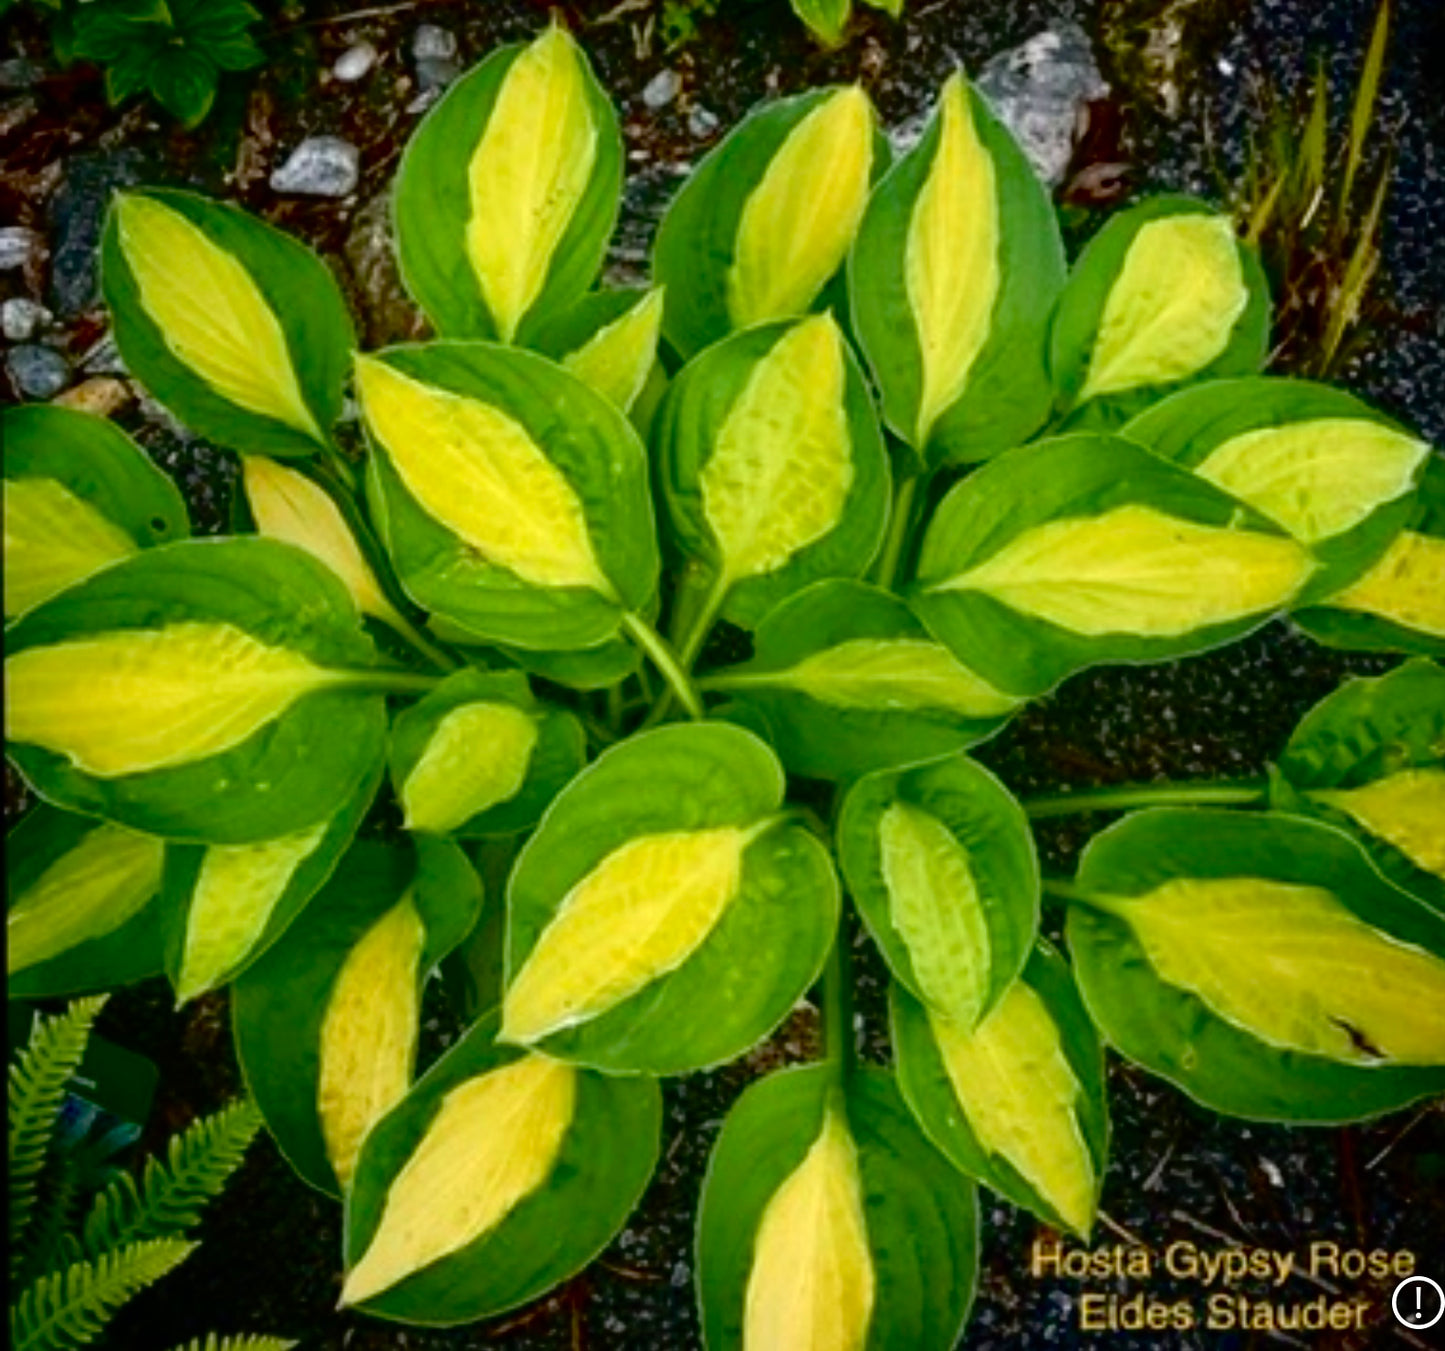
(1363, 113)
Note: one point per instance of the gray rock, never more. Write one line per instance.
(38, 372)
(19, 73)
(77, 214)
(354, 62)
(645, 198)
(20, 317)
(321, 166)
(104, 358)
(433, 72)
(661, 89)
(1038, 89)
(431, 42)
(387, 313)
(17, 244)
(702, 122)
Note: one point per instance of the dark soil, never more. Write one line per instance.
(1178, 118)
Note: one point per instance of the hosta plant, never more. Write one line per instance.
(673, 612)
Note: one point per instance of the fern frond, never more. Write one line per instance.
(172, 1195)
(48, 1241)
(36, 1090)
(246, 1341)
(69, 1308)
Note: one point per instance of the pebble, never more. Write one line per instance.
(702, 122)
(661, 89)
(101, 395)
(434, 73)
(1037, 90)
(434, 43)
(354, 62)
(77, 215)
(17, 244)
(20, 317)
(38, 372)
(321, 166)
(19, 73)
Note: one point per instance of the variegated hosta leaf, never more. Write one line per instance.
(477, 757)
(799, 219)
(1317, 479)
(828, 1221)
(951, 281)
(933, 902)
(1138, 570)
(1018, 1101)
(326, 1018)
(1261, 962)
(1325, 467)
(210, 312)
(498, 1176)
(1018, 1092)
(369, 1032)
(849, 682)
(626, 909)
(237, 889)
(940, 861)
(143, 699)
(53, 539)
(1406, 810)
(1087, 548)
(812, 1282)
(105, 879)
(210, 691)
(240, 330)
(617, 360)
(780, 473)
(288, 506)
(1371, 756)
(507, 195)
(494, 1142)
(79, 495)
(775, 473)
(904, 674)
(1172, 307)
(642, 912)
(528, 175)
(755, 235)
(1164, 294)
(1406, 586)
(1293, 966)
(480, 474)
(952, 258)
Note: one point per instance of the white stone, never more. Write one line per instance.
(354, 62)
(661, 89)
(20, 317)
(321, 166)
(16, 246)
(434, 43)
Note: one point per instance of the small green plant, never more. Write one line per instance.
(69, 1275)
(175, 50)
(1300, 203)
(673, 612)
